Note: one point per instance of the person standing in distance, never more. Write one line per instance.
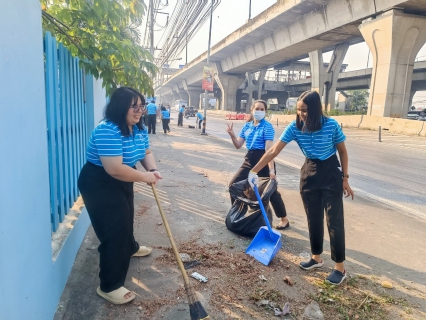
(151, 110)
(258, 134)
(323, 179)
(106, 185)
(199, 118)
(180, 116)
(165, 118)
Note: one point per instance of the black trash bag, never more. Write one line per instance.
(245, 217)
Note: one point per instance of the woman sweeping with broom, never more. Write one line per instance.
(323, 180)
(106, 184)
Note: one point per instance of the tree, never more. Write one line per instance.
(359, 99)
(104, 35)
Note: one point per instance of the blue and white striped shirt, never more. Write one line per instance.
(107, 141)
(316, 145)
(166, 114)
(151, 108)
(256, 136)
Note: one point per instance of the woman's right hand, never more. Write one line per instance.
(230, 129)
(151, 177)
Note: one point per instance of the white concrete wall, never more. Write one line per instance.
(100, 101)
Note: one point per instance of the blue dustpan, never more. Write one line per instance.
(267, 242)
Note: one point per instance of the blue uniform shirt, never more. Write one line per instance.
(181, 110)
(151, 108)
(200, 116)
(166, 114)
(256, 136)
(107, 141)
(316, 145)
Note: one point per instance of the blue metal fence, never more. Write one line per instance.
(66, 126)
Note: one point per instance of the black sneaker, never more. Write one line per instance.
(311, 264)
(336, 277)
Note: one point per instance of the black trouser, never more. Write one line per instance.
(166, 125)
(180, 119)
(251, 159)
(109, 203)
(152, 119)
(321, 189)
(199, 125)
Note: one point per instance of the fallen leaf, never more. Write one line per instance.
(288, 280)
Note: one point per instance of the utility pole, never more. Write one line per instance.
(249, 10)
(151, 27)
(186, 49)
(203, 132)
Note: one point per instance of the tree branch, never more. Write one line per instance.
(52, 20)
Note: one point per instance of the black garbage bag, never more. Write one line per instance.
(245, 217)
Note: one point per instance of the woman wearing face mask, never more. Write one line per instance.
(258, 134)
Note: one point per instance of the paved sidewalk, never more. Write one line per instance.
(381, 245)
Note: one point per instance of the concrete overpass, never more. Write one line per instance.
(295, 29)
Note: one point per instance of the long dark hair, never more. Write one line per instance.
(121, 101)
(315, 116)
(252, 107)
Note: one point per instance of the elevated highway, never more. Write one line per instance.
(295, 29)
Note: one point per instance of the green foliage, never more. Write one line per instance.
(104, 35)
(359, 99)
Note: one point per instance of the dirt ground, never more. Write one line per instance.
(194, 196)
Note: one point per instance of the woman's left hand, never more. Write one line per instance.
(347, 191)
(272, 175)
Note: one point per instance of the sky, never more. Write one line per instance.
(232, 14)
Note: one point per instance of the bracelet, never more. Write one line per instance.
(253, 172)
(272, 170)
(152, 170)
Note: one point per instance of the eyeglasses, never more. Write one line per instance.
(137, 108)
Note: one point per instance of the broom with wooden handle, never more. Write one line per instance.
(196, 309)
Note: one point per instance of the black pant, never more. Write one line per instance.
(321, 189)
(180, 119)
(152, 119)
(109, 203)
(251, 159)
(199, 125)
(166, 125)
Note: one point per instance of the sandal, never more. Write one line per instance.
(282, 227)
(116, 296)
(142, 252)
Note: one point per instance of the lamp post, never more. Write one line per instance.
(203, 132)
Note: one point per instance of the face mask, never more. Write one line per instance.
(258, 115)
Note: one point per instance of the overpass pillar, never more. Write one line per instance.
(332, 75)
(194, 97)
(260, 81)
(317, 71)
(229, 85)
(325, 81)
(249, 90)
(176, 95)
(193, 94)
(394, 39)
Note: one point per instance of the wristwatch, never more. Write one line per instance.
(152, 170)
(345, 175)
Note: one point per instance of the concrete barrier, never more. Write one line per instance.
(394, 125)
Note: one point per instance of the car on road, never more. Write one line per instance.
(422, 116)
(413, 115)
